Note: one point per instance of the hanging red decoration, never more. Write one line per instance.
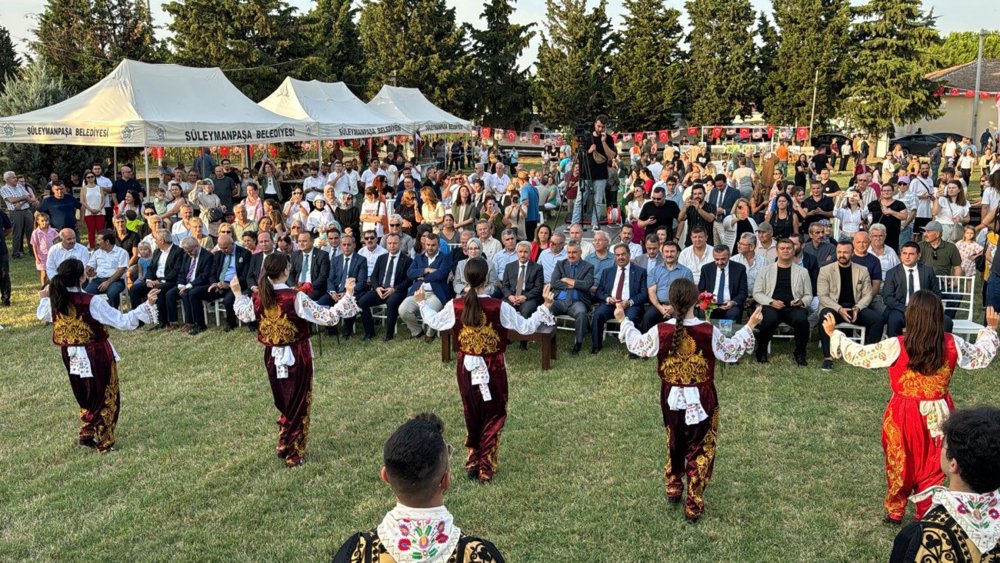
(614, 137)
(273, 151)
(770, 131)
(692, 131)
(536, 138)
(663, 135)
(744, 132)
(511, 136)
(560, 140)
(802, 133)
(224, 152)
(637, 136)
(716, 132)
(486, 131)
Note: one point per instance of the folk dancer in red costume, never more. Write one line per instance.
(686, 354)
(482, 323)
(79, 328)
(283, 316)
(921, 364)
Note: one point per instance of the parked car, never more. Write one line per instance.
(918, 144)
(824, 139)
(957, 137)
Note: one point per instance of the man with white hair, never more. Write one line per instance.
(66, 249)
(498, 182)
(479, 174)
(17, 203)
(163, 269)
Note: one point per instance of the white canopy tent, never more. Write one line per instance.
(409, 106)
(334, 111)
(142, 105)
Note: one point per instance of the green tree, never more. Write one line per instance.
(336, 44)
(574, 63)
(815, 37)
(646, 75)
(891, 39)
(416, 43)
(34, 89)
(960, 47)
(85, 39)
(257, 42)
(10, 61)
(502, 96)
(766, 58)
(723, 82)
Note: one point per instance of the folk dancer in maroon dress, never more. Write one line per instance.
(283, 316)
(921, 364)
(686, 356)
(79, 328)
(482, 323)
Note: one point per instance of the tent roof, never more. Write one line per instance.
(408, 105)
(335, 110)
(141, 104)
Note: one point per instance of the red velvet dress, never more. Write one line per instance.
(484, 420)
(691, 447)
(911, 429)
(98, 396)
(281, 326)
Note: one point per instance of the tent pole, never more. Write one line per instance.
(145, 158)
(114, 159)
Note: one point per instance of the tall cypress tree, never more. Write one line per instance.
(416, 43)
(815, 36)
(261, 41)
(86, 39)
(647, 67)
(336, 44)
(887, 86)
(722, 79)
(767, 58)
(501, 96)
(574, 62)
(10, 61)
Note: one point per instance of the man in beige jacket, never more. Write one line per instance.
(783, 290)
(845, 290)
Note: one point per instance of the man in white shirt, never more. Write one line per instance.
(922, 187)
(66, 249)
(549, 257)
(105, 184)
(368, 178)
(17, 203)
(498, 182)
(479, 174)
(370, 250)
(698, 254)
(106, 268)
(491, 246)
(341, 180)
(625, 237)
(180, 229)
(351, 169)
(576, 235)
(767, 248)
(654, 166)
(312, 185)
(508, 253)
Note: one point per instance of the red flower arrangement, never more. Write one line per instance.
(706, 302)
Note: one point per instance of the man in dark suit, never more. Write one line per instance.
(723, 197)
(388, 287)
(162, 271)
(195, 272)
(265, 244)
(902, 281)
(348, 264)
(572, 279)
(231, 261)
(431, 267)
(624, 283)
(310, 265)
(522, 282)
(727, 280)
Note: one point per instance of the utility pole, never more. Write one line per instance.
(812, 115)
(975, 99)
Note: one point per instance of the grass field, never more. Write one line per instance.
(798, 476)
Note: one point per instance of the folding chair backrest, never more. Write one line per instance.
(959, 295)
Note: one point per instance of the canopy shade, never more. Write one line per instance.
(332, 108)
(408, 105)
(141, 104)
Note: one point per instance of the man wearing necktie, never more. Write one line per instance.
(624, 283)
(902, 281)
(230, 262)
(723, 198)
(571, 282)
(346, 265)
(265, 244)
(522, 282)
(310, 265)
(388, 286)
(727, 281)
(195, 273)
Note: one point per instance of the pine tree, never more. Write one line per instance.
(815, 36)
(416, 43)
(36, 88)
(336, 44)
(260, 42)
(721, 67)
(574, 62)
(502, 96)
(647, 68)
(10, 61)
(85, 39)
(887, 86)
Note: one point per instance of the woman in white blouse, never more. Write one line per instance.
(92, 201)
(951, 209)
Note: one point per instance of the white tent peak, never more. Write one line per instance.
(410, 106)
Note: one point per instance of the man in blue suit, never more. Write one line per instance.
(195, 272)
(388, 287)
(571, 282)
(348, 264)
(430, 267)
(624, 283)
(727, 280)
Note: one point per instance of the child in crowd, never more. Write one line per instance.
(142, 266)
(969, 250)
(159, 201)
(42, 239)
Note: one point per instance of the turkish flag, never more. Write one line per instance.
(970, 94)
(693, 131)
(158, 152)
(614, 137)
(224, 151)
(511, 136)
(637, 136)
(536, 138)
(663, 135)
(716, 132)
(802, 133)
(953, 92)
(251, 150)
(984, 94)
(485, 132)
(273, 151)
(744, 133)
(560, 140)
(770, 131)
(939, 92)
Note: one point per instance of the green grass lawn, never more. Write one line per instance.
(798, 475)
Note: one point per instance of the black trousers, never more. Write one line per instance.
(867, 318)
(5, 276)
(895, 322)
(796, 317)
(371, 299)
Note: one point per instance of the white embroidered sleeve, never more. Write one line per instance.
(642, 345)
(980, 354)
(512, 320)
(879, 355)
(243, 307)
(44, 310)
(731, 349)
(106, 314)
(313, 312)
(438, 320)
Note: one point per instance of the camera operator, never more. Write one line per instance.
(598, 149)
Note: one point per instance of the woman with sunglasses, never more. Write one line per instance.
(92, 200)
(296, 208)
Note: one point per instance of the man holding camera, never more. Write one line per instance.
(599, 149)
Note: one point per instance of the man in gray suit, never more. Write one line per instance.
(783, 290)
(571, 283)
(522, 282)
